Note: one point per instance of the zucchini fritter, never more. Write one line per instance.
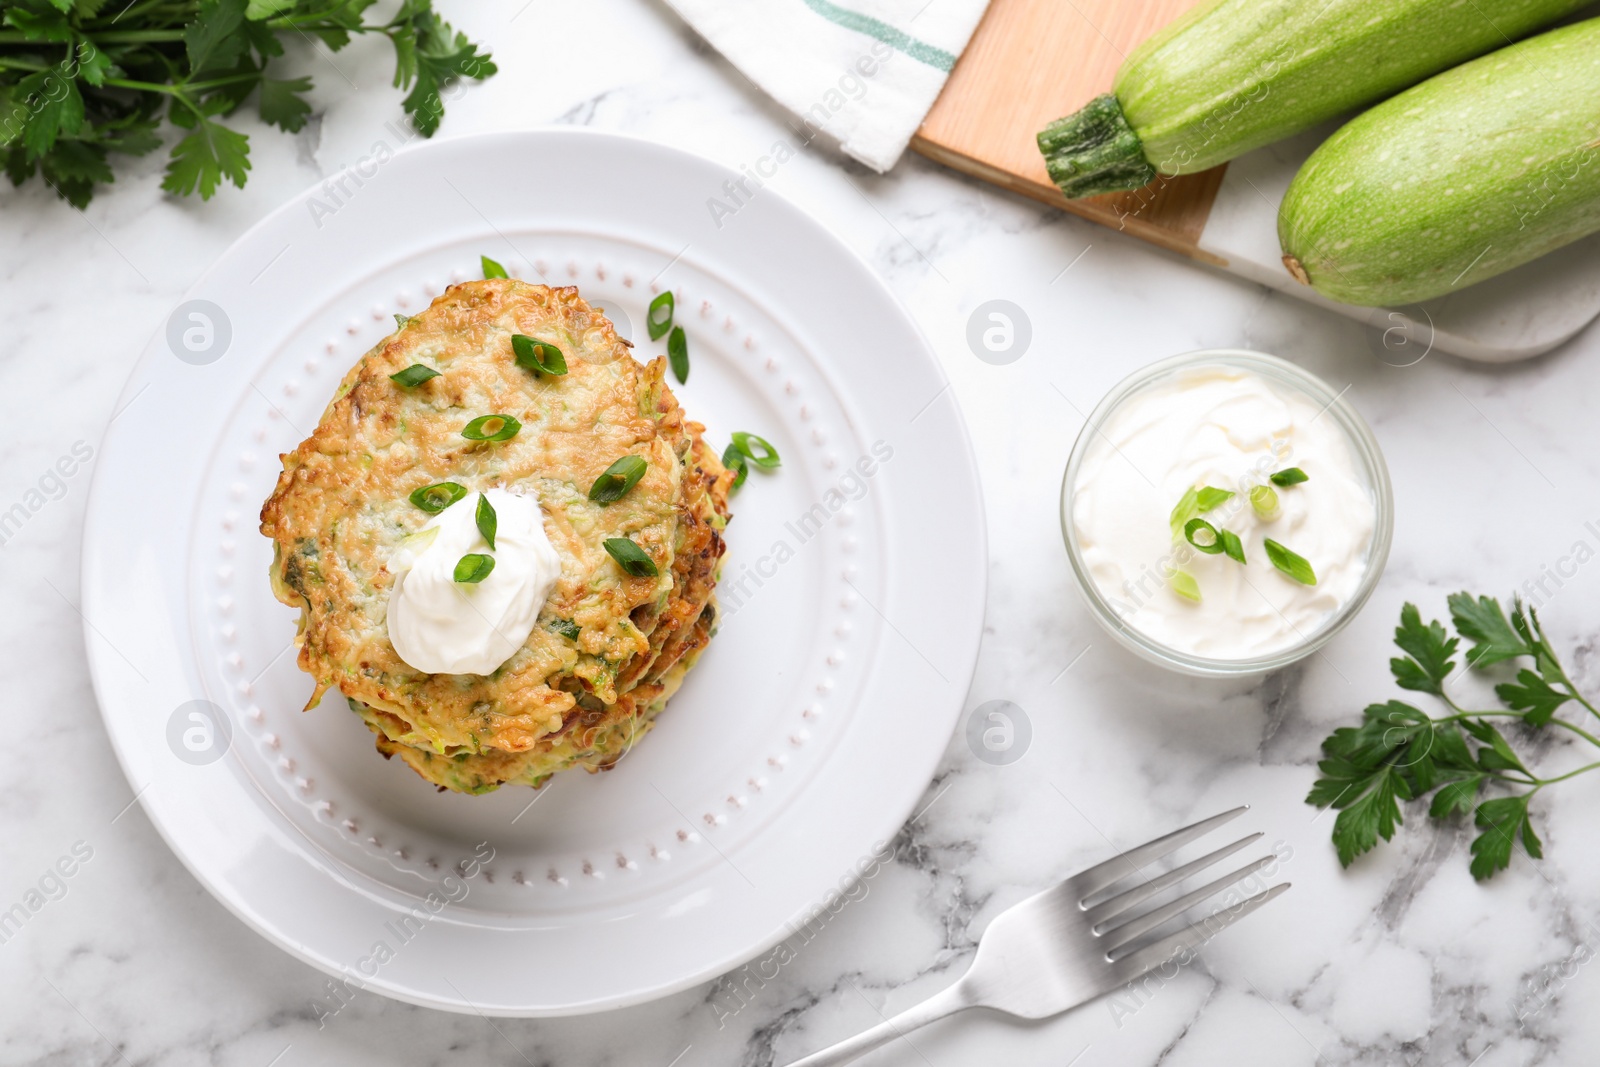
(608, 647)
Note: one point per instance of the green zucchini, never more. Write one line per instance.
(1232, 75)
(1473, 172)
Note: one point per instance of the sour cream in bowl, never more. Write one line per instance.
(1226, 513)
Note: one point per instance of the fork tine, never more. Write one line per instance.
(1114, 906)
(1101, 875)
(1131, 930)
(1156, 953)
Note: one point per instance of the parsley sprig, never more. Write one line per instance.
(80, 79)
(1401, 753)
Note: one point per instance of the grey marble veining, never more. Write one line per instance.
(1400, 960)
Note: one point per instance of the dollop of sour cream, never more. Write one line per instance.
(1229, 428)
(442, 626)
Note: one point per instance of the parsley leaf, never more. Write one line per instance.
(1456, 797)
(1532, 694)
(264, 9)
(214, 39)
(281, 104)
(77, 87)
(205, 157)
(1496, 754)
(1428, 653)
(1483, 622)
(55, 107)
(39, 21)
(430, 54)
(1371, 814)
(1400, 753)
(19, 168)
(342, 20)
(135, 139)
(93, 64)
(1502, 820)
(74, 167)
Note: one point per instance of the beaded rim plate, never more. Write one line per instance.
(852, 593)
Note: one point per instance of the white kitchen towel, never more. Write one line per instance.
(865, 72)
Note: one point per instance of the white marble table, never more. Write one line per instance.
(1400, 960)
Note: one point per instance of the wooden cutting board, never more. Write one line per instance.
(1032, 61)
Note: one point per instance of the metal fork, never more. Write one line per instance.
(1072, 942)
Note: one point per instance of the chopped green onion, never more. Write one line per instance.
(1231, 545)
(630, 557)
(473, 568)
(1184, 585)
(1264, 499)
(488, 521)
(1295, 566)
(491, 269)
(418, 542)
(491, 428)
(1290, 476)
(1213, 542)
(415, 374)
(678, 354)
(438, 496)
(614, 483)
(659, 318)
(541, 357)
(1193, 502)
(748, 444)
(1185, 510)
(736, 461)
(566, 628)
(401, 320)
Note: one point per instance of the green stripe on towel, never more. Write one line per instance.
(937, 58)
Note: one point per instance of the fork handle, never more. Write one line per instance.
(946, 1002)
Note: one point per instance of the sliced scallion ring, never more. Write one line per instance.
(1264, 499)
(736, 461)
(491, 269)
(491, 428)
(678, 354)
(541, 357)
(1294, 565)
(488, 521)
(659, 318)
(473, 568)
(631, 558)
(566, 628)
(758, 450)
(614, 483)
(438, 496)
(413, 375)
(1290, 476)
(1194, 501)
(1202, 535)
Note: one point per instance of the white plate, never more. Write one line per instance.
(800, 742)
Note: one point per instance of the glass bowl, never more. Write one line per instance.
(1369, 465)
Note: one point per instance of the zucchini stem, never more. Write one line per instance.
(1094, 150)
